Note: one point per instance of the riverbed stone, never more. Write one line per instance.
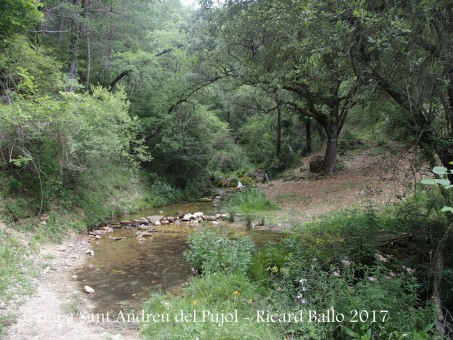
(88, 290)
(141, 221)
(186, 218)
(125, 222)
(155, 218)
(107, 229)
(170, 219)
(198, 214)
(194, 222)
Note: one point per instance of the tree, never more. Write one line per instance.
(16, 16)
(299, 46)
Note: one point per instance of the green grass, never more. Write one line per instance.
(219, 295)
(251, 201)
(16, 270)
(252, 204)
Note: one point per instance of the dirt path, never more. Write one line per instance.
(54, 310)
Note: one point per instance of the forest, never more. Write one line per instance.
(328, 122)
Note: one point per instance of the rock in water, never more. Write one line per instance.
(186, 218)
(154, 219)
(88, 290)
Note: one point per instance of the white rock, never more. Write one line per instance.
(186, 218)
(88, 290)
(198, 214)
(154, 219)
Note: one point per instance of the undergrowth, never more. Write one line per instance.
(358, 274)
(250, 203)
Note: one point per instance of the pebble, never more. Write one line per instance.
(88, 290)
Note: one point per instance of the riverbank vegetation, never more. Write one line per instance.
(108, 106)
(354, 274)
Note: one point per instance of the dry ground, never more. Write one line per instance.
(54, 309)
(372, 175)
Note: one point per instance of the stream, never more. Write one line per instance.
(124, 272)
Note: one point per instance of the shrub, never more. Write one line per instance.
(162, 193)
(217, 294)
(250, 201)
(211, 251)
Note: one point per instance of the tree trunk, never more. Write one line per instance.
(279, 133)
(439, 265)
(73, 52)
(60, 33)
(308, 134)
(88, 60)
(330, 158)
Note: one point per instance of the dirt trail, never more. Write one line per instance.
(54, 310)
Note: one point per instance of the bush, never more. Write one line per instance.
(211, 251)
(250, 201)
(354, 290)
(162, 193)
(216, 294)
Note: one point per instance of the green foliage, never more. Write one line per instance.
(212, 251)
(58, 224)
(227, 294)
(259, 140)
(14, 266)
(185, 147)
(250, 201)
(162, 193)
(351, 287)
(266, 262)
(81, 142)
(16, 16)
(28, 70)
(349, 141)
(16, 270)
(230, 158)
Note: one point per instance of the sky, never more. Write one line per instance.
(188, 2)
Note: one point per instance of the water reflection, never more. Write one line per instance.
(124, 272)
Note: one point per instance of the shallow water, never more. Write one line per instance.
(124, 272)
